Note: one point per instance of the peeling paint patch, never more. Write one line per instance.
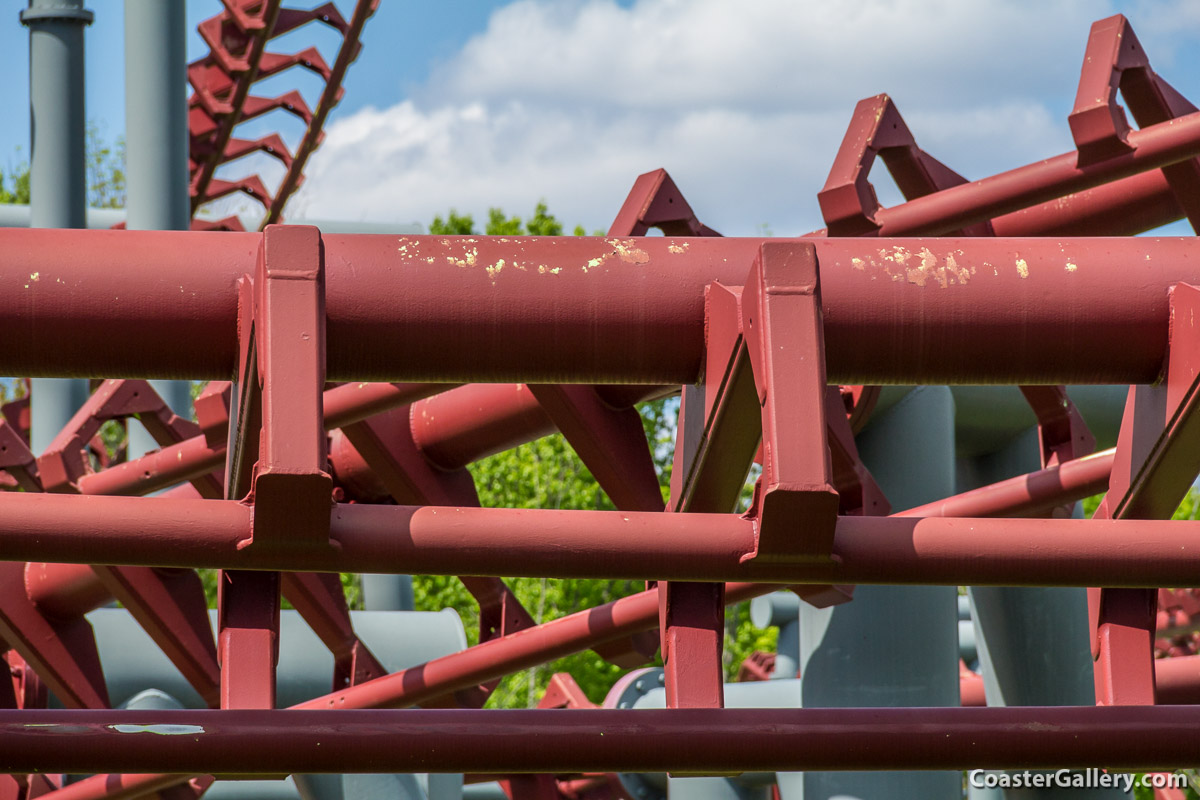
(857, 263)
(494, 269)
(35, 276)
(1022, 268)
(161, 730)
(629, 252)
(677, 248)
(919, 268)
(1071, 267)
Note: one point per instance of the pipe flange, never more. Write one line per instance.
(57, 13)
(624, 694)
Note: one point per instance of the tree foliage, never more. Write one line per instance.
(105, 165)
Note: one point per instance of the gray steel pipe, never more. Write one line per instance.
(156, 135)
(58, 169)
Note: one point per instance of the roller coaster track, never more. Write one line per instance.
(223, 83)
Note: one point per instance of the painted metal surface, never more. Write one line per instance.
(888, 317)
(283, 742)
(290, 478)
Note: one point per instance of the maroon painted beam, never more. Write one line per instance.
(1123, 208)
(1027, 495)
(594, 740)
(1177, 680)
(959, 206)
(604, 544)
(594, 310)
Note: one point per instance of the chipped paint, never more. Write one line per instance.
(918, 268)
(1022, 267)
(35, 276)
(677, 248)
(494, 269)
(159, 729)
(629, 252)
(1071, 266)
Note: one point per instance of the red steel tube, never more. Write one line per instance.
(193, 457)
(516, 651)
(604, 544)
(64, 591)
(1177, 680)
(1031, 494)
(353, 402)
(156, 470)
(1124, 208)
(959, 206)
(565, 741)
(454, 428)
(903, 311)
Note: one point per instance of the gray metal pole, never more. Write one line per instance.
(156, 133)
(387, 592)
(891, 645)
(58, 178)
(156, 138)
(1033, 643)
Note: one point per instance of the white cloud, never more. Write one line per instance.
(743, 103)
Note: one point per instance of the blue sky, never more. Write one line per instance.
(475, 104)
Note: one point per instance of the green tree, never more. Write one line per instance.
(452, 225)
(105, 169)
(14, 184)
(103, 161)
(499, 225)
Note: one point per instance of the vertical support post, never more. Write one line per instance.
(1032, 642)
(893, 645)
(387, 592)
(156, 135)
(1155, 464)
(277, 450)
(57, 182)
(248, 612)
(692, 620)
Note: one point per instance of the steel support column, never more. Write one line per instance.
(156, 136)
(1033, 642)
(910, 452)
(58, 174)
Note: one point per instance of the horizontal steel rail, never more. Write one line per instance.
(579, 309)
(595, 740)
(433, 540)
